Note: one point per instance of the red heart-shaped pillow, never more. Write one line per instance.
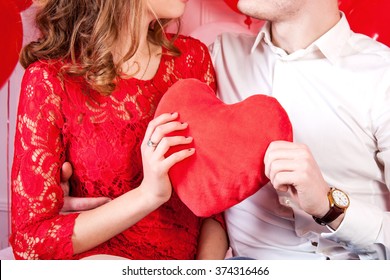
(230, 143)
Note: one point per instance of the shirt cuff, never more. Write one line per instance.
(360, 227)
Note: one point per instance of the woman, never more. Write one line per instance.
(91, 86)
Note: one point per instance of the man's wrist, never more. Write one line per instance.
(338, 204)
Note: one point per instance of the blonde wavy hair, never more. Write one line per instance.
(83, 32)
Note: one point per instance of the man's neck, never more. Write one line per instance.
(298, 33)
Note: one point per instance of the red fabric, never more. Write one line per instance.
(101, 138)
(230, 143)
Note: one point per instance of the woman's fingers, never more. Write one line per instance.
(177, 157)
(157, 154)
(162, 130)
(160, 127)
(168, 142)
(153, 124)
(156, 143)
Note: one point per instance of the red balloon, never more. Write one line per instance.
(233, 5)
(11, 37)
(369, 17)
(347, 5)
(23, 4)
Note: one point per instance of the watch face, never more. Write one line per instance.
(340, 198)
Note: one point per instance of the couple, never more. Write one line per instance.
(88, 97)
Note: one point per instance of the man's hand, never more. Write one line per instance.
(292, 168)
(77, 204)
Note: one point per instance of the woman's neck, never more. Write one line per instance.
(144, 63)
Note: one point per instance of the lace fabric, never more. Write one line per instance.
(100, 136)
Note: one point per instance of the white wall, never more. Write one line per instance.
(9, 96)
(201, 12)
(198, 13)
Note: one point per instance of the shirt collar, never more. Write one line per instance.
(330, 44)
(263, 34)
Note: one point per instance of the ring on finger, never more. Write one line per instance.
(151, 143)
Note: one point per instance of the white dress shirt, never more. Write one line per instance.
(337, 95)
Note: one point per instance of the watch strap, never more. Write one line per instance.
(333, 213)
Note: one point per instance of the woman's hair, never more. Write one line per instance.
(83, 32)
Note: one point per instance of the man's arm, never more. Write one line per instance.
(77, 204)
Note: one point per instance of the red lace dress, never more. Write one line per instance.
(100, 136)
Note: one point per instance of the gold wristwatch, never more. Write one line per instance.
(338, 202)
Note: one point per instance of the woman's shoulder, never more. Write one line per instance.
(185, 42)
(186, 39)
(48, 69)
(45, 74)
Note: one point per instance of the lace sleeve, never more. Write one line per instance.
(197, 61)
(39, 231)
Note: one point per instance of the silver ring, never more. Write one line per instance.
(151, 143)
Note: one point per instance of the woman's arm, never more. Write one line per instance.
(100, 224)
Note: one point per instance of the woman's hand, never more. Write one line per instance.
(156, 183)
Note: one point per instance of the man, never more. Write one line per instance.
(335, 86)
